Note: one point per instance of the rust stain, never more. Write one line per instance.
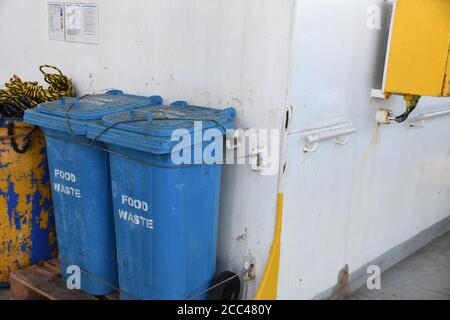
(375, 135)
(341, 289)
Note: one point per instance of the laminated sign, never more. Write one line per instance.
(73, 22)
(81, 22)
(56, 21)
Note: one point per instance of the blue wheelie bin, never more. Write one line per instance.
(79, 173)
(165, 207)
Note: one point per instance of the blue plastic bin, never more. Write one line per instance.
(166, 213)
(79, 173)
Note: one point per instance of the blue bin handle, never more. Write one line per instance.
(156, 100)
(179, 103)
(231, 112)
(115, 92)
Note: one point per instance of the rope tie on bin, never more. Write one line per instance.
(93, 141)
(96, 278)
(216, 121)
(100, 280)
(66, 112)
(214, 286)
(123, 155)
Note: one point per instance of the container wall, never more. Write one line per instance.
(349, 204)
(208, 52)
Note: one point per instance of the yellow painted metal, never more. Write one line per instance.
(419, 48)
(27, 233)
(267, 289)
(447, 75)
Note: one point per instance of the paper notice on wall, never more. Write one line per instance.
(56, 21)
(81, 22)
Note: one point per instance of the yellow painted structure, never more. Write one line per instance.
(418, 58)
(447, 77)
(268, 286)
(27, 233)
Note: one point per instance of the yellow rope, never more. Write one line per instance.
(20, 95)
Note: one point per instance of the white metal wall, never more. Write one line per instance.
(208, 52)
(348, 204)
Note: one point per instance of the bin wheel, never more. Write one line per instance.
(228, 290)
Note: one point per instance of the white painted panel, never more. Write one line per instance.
(350, 204)
(208, 52)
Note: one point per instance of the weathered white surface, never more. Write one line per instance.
(350, 204)
(208, 52)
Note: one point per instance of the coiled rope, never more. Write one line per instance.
(20, 95)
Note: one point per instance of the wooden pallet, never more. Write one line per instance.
(43, 282)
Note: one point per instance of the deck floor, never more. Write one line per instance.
(425, 275)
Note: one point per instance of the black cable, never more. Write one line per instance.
(402, 118)
(26, 139)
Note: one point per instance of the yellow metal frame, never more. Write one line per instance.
(269, 283)
(417, 61)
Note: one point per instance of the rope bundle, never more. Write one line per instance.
(20, 95)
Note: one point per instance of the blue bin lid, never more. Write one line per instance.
(71, 114)
(150, 129)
